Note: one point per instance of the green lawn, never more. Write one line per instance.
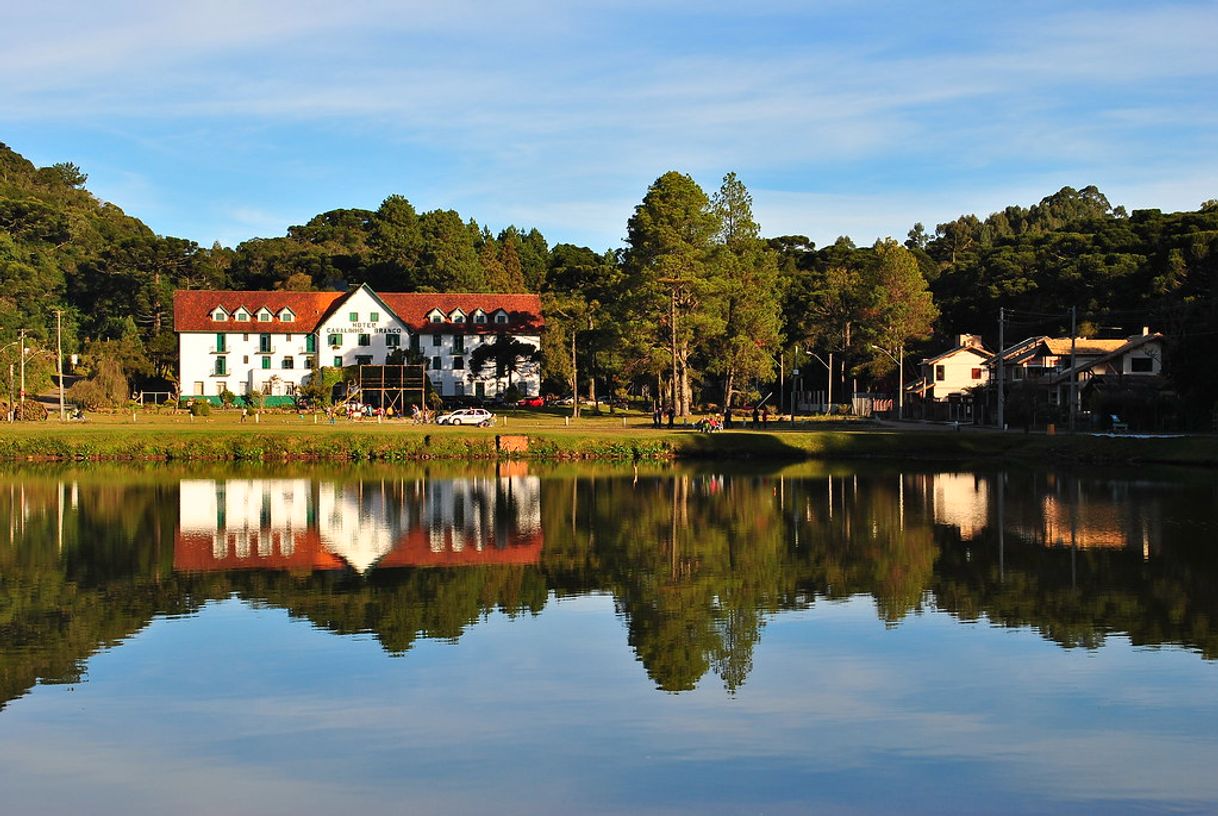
(552, 435)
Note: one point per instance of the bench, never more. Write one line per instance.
(1117, 425)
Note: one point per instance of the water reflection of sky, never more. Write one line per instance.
(242, 710)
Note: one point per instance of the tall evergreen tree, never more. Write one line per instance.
(670, 237)
(749, 294)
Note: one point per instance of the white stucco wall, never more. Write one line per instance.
(245, 360)
(957, 374)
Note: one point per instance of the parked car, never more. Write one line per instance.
(531, 402)
(467, 416)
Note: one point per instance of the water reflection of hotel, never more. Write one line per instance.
(303, 525)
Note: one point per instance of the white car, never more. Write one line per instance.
(467, 416)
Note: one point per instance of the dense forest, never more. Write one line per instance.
(698, 306)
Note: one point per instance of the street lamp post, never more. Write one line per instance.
(900, 361)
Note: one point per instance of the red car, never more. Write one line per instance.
(531, 402)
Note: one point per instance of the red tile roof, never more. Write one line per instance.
(524, 311)
(192, 310)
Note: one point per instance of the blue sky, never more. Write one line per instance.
(230, 120)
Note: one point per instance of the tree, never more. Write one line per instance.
(750, 293)
(448, 261)
(397, 241)
(670, 239)
(899, 307)
(506, 354)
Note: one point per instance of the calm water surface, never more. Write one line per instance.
(548, 640)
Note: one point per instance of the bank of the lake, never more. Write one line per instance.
(200, 441)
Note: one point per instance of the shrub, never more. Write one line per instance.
(200, 408)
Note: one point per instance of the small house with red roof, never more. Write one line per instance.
(270, 342)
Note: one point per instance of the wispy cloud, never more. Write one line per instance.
(590, 103)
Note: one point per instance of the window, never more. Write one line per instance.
(436, 364)
(374, 316)
(221, 368)
(199, 387)
(458, 364)
(458, 344)
(287, 338)
(287, 316)
(245, 337)
(264, 344)
(393, 341)
(1018, 373)
(365, 339)
(338, 362)
(335, 340)
(221, 387)
(266, 362)
(1141, 365)
(436, 340)
(501, 318)
(414, 343)
(363, 359)
(264, 316)
(242, 316)
(479, 317)
(309, 362)
(436, 317)
(354, 316)
(311, 343)
(245, 358)
(940, 373)
(459, 319)
(289, 362)
(219, 314)
(221, 346)
(976, 373)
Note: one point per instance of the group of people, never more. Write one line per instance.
(713, 422)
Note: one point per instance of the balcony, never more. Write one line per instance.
(218, 350)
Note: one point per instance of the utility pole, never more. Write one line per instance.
(672, 318)
(1073, 373)
(782, 394)
(22, 394)
(901, 383)
(1001, 372)
(59, 360)
(829, 398)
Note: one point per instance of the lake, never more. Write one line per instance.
(524, 639)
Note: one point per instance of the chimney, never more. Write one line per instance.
(968, 340)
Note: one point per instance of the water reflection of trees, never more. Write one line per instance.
(696, 564)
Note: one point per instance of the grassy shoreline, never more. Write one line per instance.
(295, 439)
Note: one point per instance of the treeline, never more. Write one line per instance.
(697, 306)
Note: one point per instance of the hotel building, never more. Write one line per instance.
(270, 342)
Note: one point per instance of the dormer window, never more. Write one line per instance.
(501, 316)
(242, 316)
(287, 315)
(479, 316)
(219, 314)
(264, 315)
(435, 316)
(457, 316)
(459, 319)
